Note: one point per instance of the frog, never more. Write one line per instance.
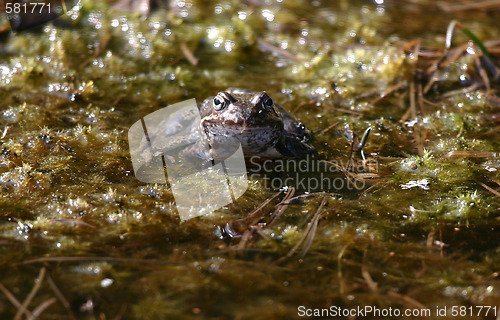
(231, 118)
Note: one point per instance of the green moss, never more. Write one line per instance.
(70, 90)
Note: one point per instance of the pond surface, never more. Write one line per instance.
(415, 226)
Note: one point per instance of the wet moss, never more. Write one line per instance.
(114, 246)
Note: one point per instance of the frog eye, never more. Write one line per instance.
(262, 100)
(219, 103)
(267, 103)
(222, 100)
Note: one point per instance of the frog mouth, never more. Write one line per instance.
(242, 125)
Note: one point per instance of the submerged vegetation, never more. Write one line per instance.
(80, 237)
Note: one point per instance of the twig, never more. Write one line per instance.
(72, 222)
(443, 61)
(244, 239)
(388, 92)
(413, 108)
(420, 96)
(370, 188)
(121, 312)
(486, 4)
(314, 194)
(350, 159)
(482, 73)
(251, 219)
(303, 103)
(356, 113)
(60, 296)
(488, 188)
(14, 301)
(103, 43)
(408, 301)
(314, 228)
(323, 131)
(5, 131)
(265, 46)
(416, 131)
(449, 34)
(339, 266)
(255, 211)
(452, 93)
(110, 259)
(306, 232)
(188, 54)
(430, 241)
(366, 275)
(281, 207)
(405, 116)
(44, 305)
(441, 243)
(34, 290)
(143, 7)
(497, 128)
(471, 154)
(422, 271)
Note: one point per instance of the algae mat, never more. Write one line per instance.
(412, 228)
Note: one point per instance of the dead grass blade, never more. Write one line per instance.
(323, 131)
(265, 46)
(430, 241)
(244, 240)
(422, 271)
(72, 222)
(366, 275)
(103, 43)
(142, 7)
(307, 232)
(446, 57)
(369, 190)
(108, 259)
(41, 308)
(255, 211)
(482, 73)
(61, 297)
(469, 5)
(484, 185)
(188, 54)
(281, 207)
(339, 267)
(417, 129)
(493, 130)
(453, 55)
(388, 92)
(247, 225)
(14, 300)
(31, 295)
(452, 93)
(471, 154)
(407, 301)
(311, 234)
(121, 312)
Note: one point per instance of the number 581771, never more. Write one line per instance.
(31, 7)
